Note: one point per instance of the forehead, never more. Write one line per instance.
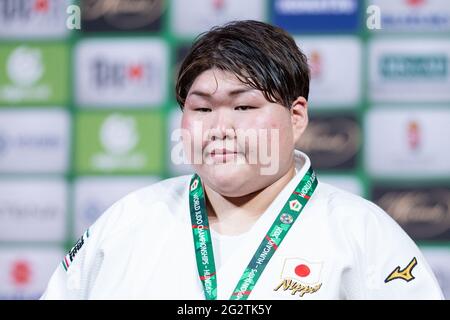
(215, 83)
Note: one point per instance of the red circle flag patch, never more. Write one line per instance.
(302, 270)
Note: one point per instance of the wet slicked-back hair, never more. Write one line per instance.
(262, 56)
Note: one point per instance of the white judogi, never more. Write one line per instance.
(341, 247)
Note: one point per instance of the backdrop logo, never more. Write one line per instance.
(415, 3)
(41, 217)
(33, 18)
(413, 135)
(406, 67)
(25, 66)
(414, 15)
(189, 18)
(123, 72)
(38, 212)
(218, 4)
(409, 70)
(119, 138)
(138, 15)
(423, 213)
(118, 134)
(21, 274)
(114, 143)
(33, 73)
(117, 74)
(329, 58)
(316, 15)
(40, 135)
(26, 270)
(25, 10)
(316, 64)
(410, 144)
(316, 6)
(331, 142)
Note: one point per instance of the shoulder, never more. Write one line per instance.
(145, 202)
(378, 246)
(370, 233)
(165, 190)
(360, 222)
(353, 209)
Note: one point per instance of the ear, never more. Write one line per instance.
(299, 117)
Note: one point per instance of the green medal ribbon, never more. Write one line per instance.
(272, 240)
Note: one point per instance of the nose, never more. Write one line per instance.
(222, 125)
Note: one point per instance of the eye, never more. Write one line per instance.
(244, 108)
(203, 109)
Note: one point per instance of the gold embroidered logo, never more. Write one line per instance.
(405, 274)
(296, 287)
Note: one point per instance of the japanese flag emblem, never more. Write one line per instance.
(302, 271)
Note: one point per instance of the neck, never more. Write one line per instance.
(235, 215)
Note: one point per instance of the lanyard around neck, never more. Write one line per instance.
(277, 232)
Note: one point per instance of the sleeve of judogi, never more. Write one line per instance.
(392, 266)
(76, 273)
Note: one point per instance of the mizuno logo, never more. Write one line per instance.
(405, 274)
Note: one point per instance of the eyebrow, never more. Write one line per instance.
(230, 93)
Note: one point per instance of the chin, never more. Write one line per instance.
(228, 180)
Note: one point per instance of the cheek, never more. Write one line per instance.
(190, 126)
(187, 132)
(190, 121)
(256, 123)
(194, 133)
(283, 124)
(273, 124)
(280, 133)
(185, 121)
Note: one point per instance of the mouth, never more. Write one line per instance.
(222, 152)
(223, 155)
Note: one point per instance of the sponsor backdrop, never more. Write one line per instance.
(87, 116)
